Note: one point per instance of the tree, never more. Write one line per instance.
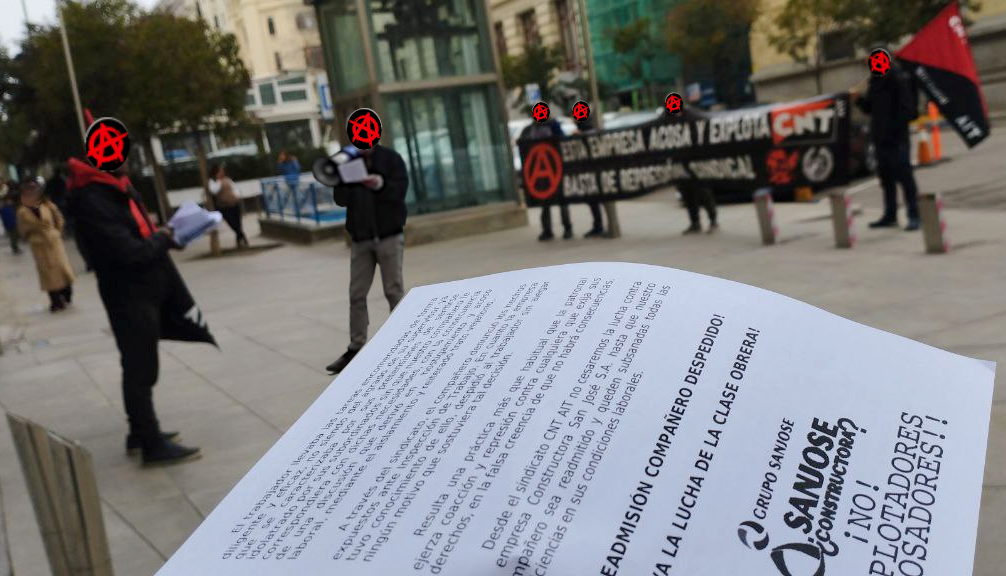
(637, 47)
(14, 129)
(536, 65)
(796, 30)
(152, 71)
(198, 87)
(41, 92)
(713, 34)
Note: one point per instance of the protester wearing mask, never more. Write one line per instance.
(375, 220)
(143, 293)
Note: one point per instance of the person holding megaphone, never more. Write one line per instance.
(371, 184)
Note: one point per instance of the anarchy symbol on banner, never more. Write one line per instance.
(880, 62)
(540, 112)
(581, 111)
(542, 171)
(673, 103)
(364, 128)
(107, 144)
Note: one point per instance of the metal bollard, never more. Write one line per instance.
(934, 227)
(766, 215)
(842, 218)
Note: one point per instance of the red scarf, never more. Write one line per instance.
(82, 174)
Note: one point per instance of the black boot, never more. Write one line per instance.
(340, 364)
(913, 225)
(164, 452)
(545, 236)
(693, 228)
(885, 222)
(133, 443)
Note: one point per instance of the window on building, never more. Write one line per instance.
(837, 45)
(500, 39)
(567, 37)
(421, 44)
(272, 26)
(250, 98)
(267, 94)
(529, 27)
(279, 61)
(291, 80)
(340, 26)
(293, 95)
(216, 21)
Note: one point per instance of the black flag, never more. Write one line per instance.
(181, 319)
(939, 57)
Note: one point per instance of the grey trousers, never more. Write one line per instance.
(386, 253)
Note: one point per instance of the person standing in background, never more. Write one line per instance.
(375, 220)
(696, 196)
(892, 102)
(289, 168)
(40, 223)
(227, 202)
(8, 215)
(535, 131)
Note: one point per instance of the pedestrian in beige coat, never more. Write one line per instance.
(40, 223)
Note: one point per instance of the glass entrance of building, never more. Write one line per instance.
(427, 69)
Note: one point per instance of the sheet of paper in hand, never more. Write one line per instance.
(618, 419)
(353, 171)
(191, 221)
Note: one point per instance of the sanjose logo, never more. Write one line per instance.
(805, 123)
(795, 559)
(812, 511)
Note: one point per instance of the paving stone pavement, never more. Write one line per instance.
(281, 315)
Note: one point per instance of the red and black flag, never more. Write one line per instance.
(939, 57)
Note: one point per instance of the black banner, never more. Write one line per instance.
(939, 58)
(803, 143)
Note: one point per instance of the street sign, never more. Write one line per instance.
(325, 97)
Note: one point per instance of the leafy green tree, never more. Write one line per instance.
(637, 46)
(796, 29)
(713, 34)
(41, 92)
(199, 87)
(153, 71)
(537, 65)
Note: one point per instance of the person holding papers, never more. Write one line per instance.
(143, 293)
(227, 201)
(375, 220)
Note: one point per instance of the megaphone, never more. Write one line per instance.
(326, 170)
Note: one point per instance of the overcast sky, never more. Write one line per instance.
(39, 12)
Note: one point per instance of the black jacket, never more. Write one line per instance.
(892, 102)
(127, 264)
(376, 214)
(137, 280)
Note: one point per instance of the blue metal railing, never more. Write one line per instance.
(307, 201)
